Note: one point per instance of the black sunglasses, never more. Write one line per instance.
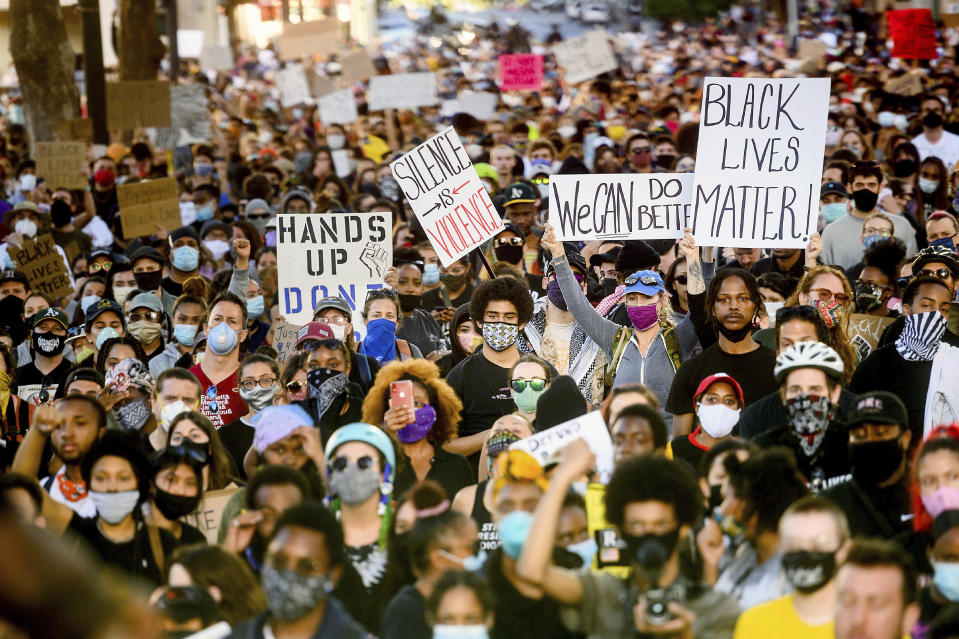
(313, 344)
(648, 280)
(681, 279)
(941, 273)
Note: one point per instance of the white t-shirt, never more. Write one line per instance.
(946, 149)
(83, 507)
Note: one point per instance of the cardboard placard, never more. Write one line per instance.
(759, 161)
(138, 103)
(284, 340)
(913, 34)
(630, 206)
(43, 265)
(480, 105)
(143, 205)
(216, 57)
(294, 89)
(949, 13)
(306, 39)
(811, 49)
(62, 164)
(357, 66)
(907, 84)
(320, 85)
(77, 129)
(207, 516)
(338, 107)
(447, 196)
(590, 428)
(402, 91)
(521, 72)
(585, 57)
(865, 331)
(344, 254)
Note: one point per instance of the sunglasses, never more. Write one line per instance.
(101, 266)
(339, 464)
(314, 344)
(537, 384)
(941, 273)
(540, 180)
(824, 295)
(681, 279)
(145, 316)
(511, 241)
(648, 280)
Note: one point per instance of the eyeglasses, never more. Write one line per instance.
(647, 280)
(862, 284)
(304, 566)
(941, 273)
(824, 295)
(511, 241)
(101, 266)
(640, 149)
(681, 279)
(145, 316)
(537, 384)
(265, 382)
(339, 464)
(787, 313)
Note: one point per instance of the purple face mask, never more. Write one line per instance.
(643, 317)
(425, 418)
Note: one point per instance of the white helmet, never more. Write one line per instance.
(809, 355)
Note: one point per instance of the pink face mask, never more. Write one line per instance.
(943, 499)
(643, 317)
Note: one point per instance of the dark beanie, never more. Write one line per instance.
(636, 255)
(559, 403)
(183, 231)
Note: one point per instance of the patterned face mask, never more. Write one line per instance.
(133, 415)
(289, 595)
(921, 336)
(809, 417)
(499, 335)
(326, 385)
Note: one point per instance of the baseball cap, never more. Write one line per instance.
(314, 331)
(216, 225)
(146, 300)
(720, 377)
(51, 313)
(833, 188)
(95, 310)
(149, 253)
(645, 282)
(879, 407)
(11, 275)
(338, 303)
(519, 193)
(576, 260)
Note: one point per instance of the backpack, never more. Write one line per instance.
(625, 334)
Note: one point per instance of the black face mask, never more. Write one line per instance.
(868, 298)
(932, 120)
(650, 552)
(175, 506)
(875, 462)
(509, 253)
(865, 199)
(148, 280)
(60, 213)
(609, 286)
(202, 448)
(408, 303)
(665, 160)
(808, 571)
(48, 344)
(905, 167)
(735, 335)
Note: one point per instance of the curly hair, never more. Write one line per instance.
(653, 478)
(840, 332)
(750, 481)
(426, 374)
(501, 289)
(214, 566)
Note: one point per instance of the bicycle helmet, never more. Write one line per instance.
(809, 355)
(936, 254)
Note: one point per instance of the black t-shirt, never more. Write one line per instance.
(753, 371)
(134, 556)
(449, 470)
(769, 412)
(237, 437)
(28, 375)
(434, 299)
(873, 511)
(770, 265)
(190, 535)
(483, 387)
(686, 448)
(363, 370)
(825, 467)
(422, 331)
(405, 616)
(519, 617)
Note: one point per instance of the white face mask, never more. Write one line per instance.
(338, 330)
(566, 132)
(28, 182)
(171, 411)
(27, 228)
(335, 141)
(219, 248)
(717, 420)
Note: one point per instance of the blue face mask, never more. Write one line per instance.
(834, 211)
(869, 240)
(431, 274)
(586, 551)
(204, 213)
(185, 334)
(513, 530)
(255, 307)
(380, 341)
(203, 170)
(947, 579)
(222, 339)
(475, 631)
(106, 333)
(945, 241)
(186, 258)
(89, 300)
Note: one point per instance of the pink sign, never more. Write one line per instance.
(521, 72)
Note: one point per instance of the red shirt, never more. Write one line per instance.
(223, 405)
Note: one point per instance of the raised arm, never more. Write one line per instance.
(46, 419)
(241, 269)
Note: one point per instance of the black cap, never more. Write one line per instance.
(148, 252)
(576, 260)
(833, 188)
(183, 231)
(104, 305)
(101, 252)
(11, 275)
(636, 255)
(559, 403)
(879, 407)
(610, 256)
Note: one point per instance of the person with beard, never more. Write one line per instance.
(49, 368)
(509, 246)
(654, 503)
(813, 541)
(259, 384)
(934, 141)
(303, 565)
(876, 500)
(177, 491)
(72, 426)
(417, 327)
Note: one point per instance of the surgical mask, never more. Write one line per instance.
(513, 529)
(808, 571)
(171, 411)
(928, 186)
(354, 485)
(203, 170)
(527, 400)
(27, 182)
(451, 631)
(886, 118)
(865, 199)
(499, 335)
(48, 344)
(134, 414)
(291, 596)
(114, 507)
(832, 212)
(902, 122)
(204, 213)
(145, 332)
(255, 307)
(218, 248)
(335, 141)
(586, 550)
(148, 280)
(717, 420)
(431, 274)
(473, 563)
(27, 228)
(175, 506)
(185, 334)
(259, 398)
(643, 317)
(121, 293)
(425, 418)
(946, 578)
(809, 417)
(222, 339)
(566, 132)
(105, 333)
(89, 300)
(338, 330)
(186, 258)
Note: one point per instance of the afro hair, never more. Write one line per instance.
(653, 478)
(501, 289)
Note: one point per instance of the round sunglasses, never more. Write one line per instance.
(537, 384)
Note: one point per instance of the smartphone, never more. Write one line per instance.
(401, 394)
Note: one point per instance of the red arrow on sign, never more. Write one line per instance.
(457, 190)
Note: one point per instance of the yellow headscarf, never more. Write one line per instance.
(518, 466)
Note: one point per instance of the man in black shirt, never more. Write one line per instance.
(49, 368)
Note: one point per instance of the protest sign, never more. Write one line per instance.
(216, 57)
(189, 42)
(447, 196)
(521, 72)
(402, 91)
(76, 129)
(189, 120)
(306, 39)
(338, 107)
(43, 265)
(811, 49)
(144, 205)
(759, 161)
(355, 66)
(208, 515)
(949, 13)
(293, 86)
(906, 84)
(913, 34)
(631, 206)
(284, 340)
(62, 164)
(138, 103)
(585, 57)
(865, 331)
(481, 106)
(590, 428)
(343, 254)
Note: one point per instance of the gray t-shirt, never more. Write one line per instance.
(842, 239)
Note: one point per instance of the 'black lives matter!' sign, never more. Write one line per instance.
(759, 161)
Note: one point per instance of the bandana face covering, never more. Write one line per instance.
(809, 417)
(326, 385)
(354, 485)
(425, 418)
(868, 297)
(290, 596)
(380, 341)
(499, 335)
(920, 338)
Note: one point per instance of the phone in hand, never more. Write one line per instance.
(401, 394)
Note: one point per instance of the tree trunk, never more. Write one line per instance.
(44, 61)
(139, 48)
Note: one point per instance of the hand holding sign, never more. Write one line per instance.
(578, 460)
(374, 258)
(549, 241)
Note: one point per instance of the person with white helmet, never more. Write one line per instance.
(810, 375)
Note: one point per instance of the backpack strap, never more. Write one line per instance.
(363, 365)
(404, 348)
(156, 547)
(673, 349)
(623, 335)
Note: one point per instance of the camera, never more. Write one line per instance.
(657, 604)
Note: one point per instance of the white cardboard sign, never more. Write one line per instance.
(294, 89)
(631, 206)
(590, 427)
(402, 91)
(338, 107)
(447, 196)
(480, 105)
(343, 254)
(759, 161)
(585, 57)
